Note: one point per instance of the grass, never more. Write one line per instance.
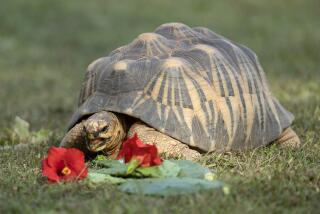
(46, 46)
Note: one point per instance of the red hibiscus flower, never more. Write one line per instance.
(134, 149)
(64, 164)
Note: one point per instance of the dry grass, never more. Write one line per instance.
(45, 47)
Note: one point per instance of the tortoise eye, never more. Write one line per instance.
(104, 129)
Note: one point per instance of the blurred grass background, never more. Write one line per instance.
(45, 47)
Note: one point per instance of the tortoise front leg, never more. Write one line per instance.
(74, 138)
(166, 145)
(288, 138)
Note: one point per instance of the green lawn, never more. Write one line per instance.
(45, 47)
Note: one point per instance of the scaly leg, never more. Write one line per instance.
(288, 138)
(74, 138)
(165, 144)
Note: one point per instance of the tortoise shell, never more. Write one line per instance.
(189, 83)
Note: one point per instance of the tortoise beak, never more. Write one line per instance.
(96, 145)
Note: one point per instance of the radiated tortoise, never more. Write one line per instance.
(186, 90)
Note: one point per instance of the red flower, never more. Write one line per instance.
(134, 148)
(64, 164)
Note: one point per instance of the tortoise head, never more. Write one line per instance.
(100, 131)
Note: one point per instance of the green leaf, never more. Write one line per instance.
(153, 171)
(132, 165)
(168, 168)
(95, 177)
(21, 128)
(111, 167)
(100, 158)
(210, 176)
(168, 186)
(108, 163)
(191, 169)
(121, 172)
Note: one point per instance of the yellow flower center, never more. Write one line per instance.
(66, 170)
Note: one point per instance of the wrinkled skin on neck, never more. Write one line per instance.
(104, 131)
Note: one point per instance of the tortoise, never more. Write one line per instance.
(185, 90)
